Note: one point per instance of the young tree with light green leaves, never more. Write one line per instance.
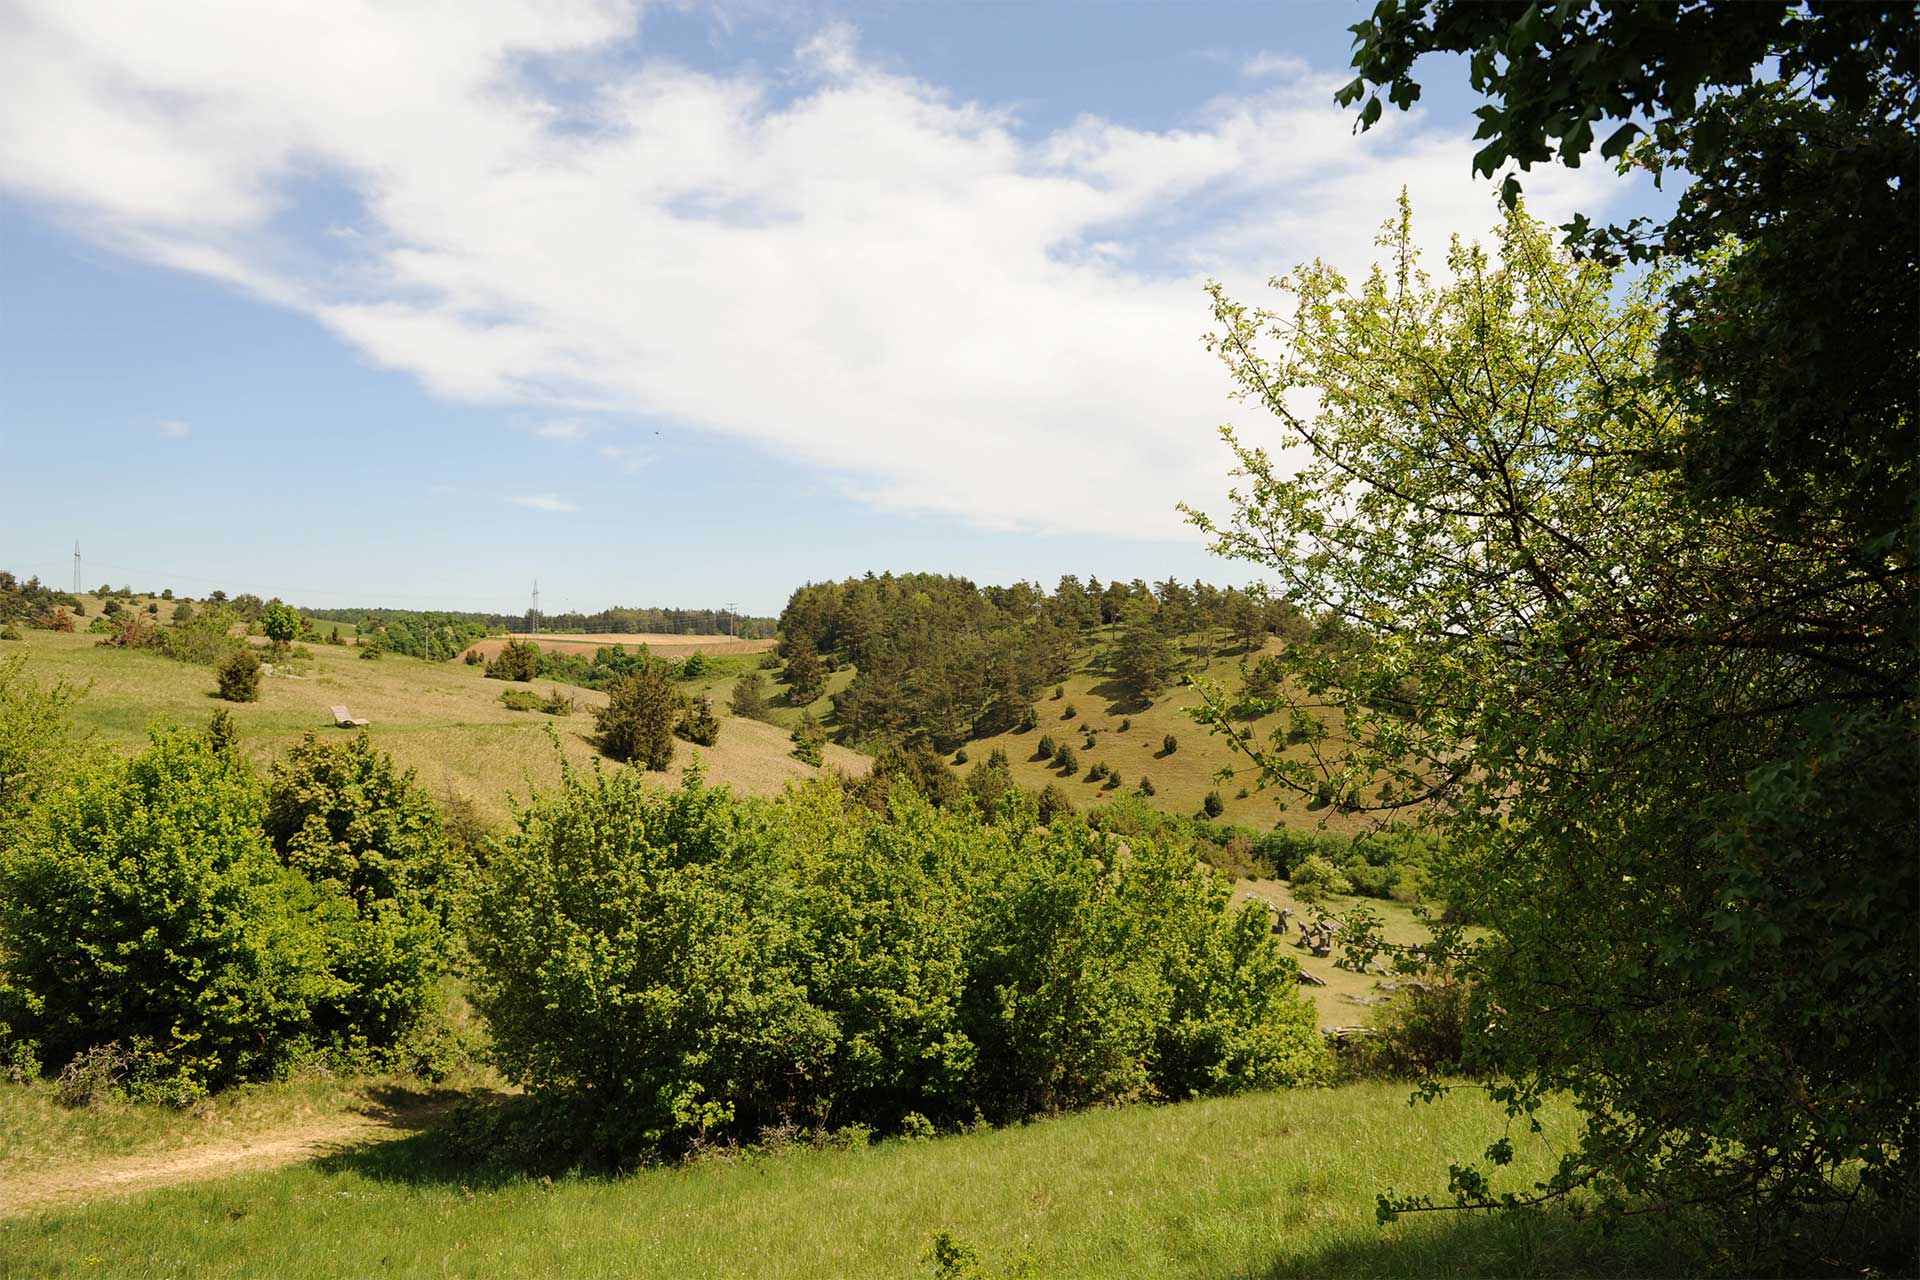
(1667, 741)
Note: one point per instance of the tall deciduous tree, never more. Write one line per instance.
(1671, 741)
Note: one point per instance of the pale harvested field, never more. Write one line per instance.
(663, 644)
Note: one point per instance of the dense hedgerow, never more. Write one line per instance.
(684, 966)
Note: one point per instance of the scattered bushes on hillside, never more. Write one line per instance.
(1046, 747)
(736, 965)
(517, 660)
(1066, 762)
(238, 675)
(638, 721)
(1212, 805)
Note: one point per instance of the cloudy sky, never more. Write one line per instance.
(411, 304)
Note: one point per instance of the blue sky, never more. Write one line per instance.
(660, 305)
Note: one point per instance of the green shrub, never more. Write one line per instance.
(1046, 748)
(1096, 771)
(960, 756)
(280, 623)
(695, 665)
(749, 700)
(1169, 745)
(519, 699)
(1066, 762)
(1212, 805)
(1146, 785)
(238, 676)
(557, 703)
(343, 816)
(1069, 713)
(1316, 878)
(1053, 803)
(1421, 1032)
(182, 612)
(1125, 724)
(1113, 779)
(989, 783)
(9, 632)
(809, 740)
(517, 660)
(698, 724)
(1027, 721)
(143, 905)
(638, 721)
(472, 657)
(668, 967)
(1059, 691)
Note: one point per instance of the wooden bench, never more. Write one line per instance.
(343, 718)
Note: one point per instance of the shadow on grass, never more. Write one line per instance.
(1557, 1243)
(477, 1140)
(1120, 700)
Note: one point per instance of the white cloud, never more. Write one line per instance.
(1261, 65)
(562, 429)
(542, 502)
(173, 429)
(846, 266)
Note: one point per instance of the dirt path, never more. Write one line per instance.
(269, 1149)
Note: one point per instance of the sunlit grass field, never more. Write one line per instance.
(1263, 1185)
(443, 719)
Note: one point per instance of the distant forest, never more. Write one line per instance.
(939, 658)
(618, 620)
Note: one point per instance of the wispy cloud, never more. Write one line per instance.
(173, 429)
(542, 502)
(1262, 65)
(562, 429)
(835, 263)
(628, 460)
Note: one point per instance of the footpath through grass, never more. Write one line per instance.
(1267, 1185)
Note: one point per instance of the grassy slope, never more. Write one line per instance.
(444, 719)
(1263, 1185)
(1181, 780)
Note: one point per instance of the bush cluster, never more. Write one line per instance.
(684, 967)
(517, 660)
(170, 925)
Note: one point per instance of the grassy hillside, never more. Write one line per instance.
(444, 719)
(1264, 1185)
(1181, 779)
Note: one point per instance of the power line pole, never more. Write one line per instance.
(733, 620)
(534, 613)
(76, 567)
